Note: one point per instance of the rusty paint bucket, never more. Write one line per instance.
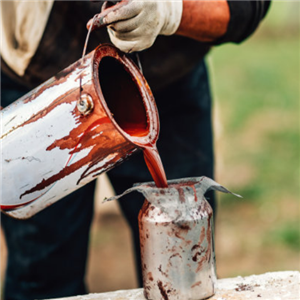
(59, 137)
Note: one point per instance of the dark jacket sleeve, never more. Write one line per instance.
(245, 17)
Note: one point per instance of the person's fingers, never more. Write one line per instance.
(133, 45)
(125, 46)
(135, 26)
(125, 12)
(127, 35)
(125, 26)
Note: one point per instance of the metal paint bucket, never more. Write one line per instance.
(58, 138)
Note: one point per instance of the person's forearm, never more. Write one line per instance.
(204, 20)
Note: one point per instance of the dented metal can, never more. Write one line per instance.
(177, 239)
(178, 259)
(80, 123)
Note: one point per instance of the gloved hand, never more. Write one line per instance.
(137, 24)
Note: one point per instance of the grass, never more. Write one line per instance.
(256, 90)
(286, 234)
(257, 76)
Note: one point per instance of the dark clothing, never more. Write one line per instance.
(47, 253)
(245, 17)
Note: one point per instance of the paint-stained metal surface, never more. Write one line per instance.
(178, 260)
(177, 239)
(52, 144)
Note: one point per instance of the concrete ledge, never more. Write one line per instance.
(268, 286)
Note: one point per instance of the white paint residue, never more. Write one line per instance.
(17, 113)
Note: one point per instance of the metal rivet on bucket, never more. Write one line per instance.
(85, 104)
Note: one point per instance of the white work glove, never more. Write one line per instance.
(137, 24)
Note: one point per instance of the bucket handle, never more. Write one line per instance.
(98, 20)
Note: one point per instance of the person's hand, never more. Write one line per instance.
(135, 26)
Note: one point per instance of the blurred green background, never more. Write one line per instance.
(256, 90)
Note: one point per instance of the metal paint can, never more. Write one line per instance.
(177, 239)
(178, 259)
(59, 136)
